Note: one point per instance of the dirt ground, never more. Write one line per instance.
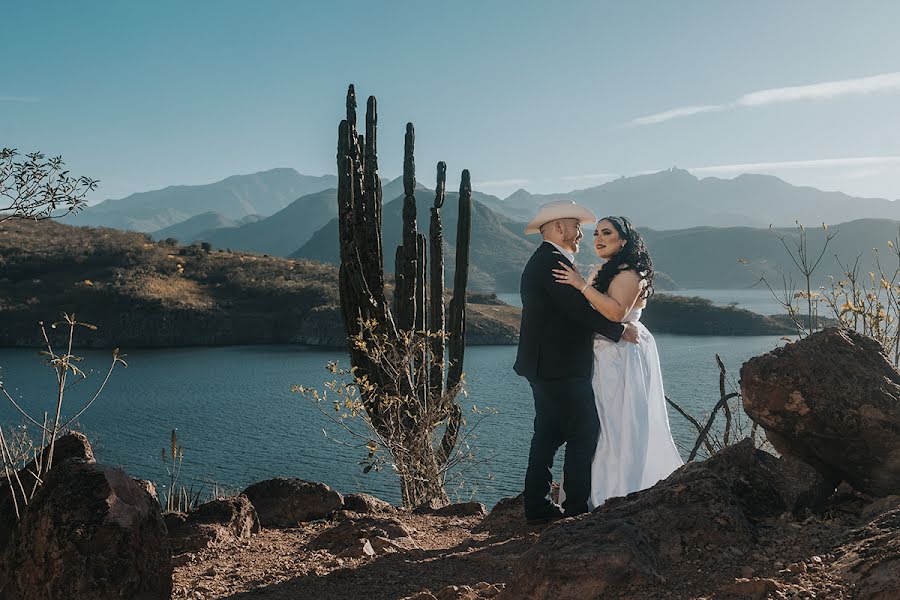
(816, 556)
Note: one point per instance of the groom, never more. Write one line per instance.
(555, 356)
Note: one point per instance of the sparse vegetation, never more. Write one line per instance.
(39, 187)
(142, 293)
(19, 448)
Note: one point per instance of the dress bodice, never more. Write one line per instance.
(633, 315)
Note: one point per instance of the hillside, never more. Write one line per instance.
(141, 293)
(497, 253)
(676, 199)
(706, 257)
(187, 231)
(235, 197)
(281, 233)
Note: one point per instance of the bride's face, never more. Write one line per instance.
(607, 241)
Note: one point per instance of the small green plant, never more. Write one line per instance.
(178, 497)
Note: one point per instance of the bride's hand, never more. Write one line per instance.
(567, 274)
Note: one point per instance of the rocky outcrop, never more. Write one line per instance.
(71, 445)
(89, 532)
(365, 536)
(286, 502)
(367, 504)
(626, 542)
(217, 521)
(461, 509)
(506, 518)
(833, 401)
(871, 562)
(480, 590)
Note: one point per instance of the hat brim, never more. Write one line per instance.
(570, 211)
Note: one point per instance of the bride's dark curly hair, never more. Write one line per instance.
(633, 256)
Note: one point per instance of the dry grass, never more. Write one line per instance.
(173, 291)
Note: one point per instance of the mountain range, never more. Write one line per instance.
(676, 199)
(233, 198)
(497, 252)
(672, 208)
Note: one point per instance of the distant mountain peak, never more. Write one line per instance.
(519, 194)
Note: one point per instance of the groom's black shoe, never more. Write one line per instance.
(547, 515)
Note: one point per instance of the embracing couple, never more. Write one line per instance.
(593, 367)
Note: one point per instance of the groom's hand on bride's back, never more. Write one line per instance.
(631, 333)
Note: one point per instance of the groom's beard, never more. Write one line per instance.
(571, 244)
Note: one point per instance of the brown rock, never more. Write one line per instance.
(283, 502)
(832, 400)
(752, 589)
(455, 592)
(625, 542)
(802, 486)
(424, 595)
(358, 549)
(871, 562)
(90, 532)
(426, 508)
(461, 509)
(507, 516)
(72, 445)
(879, 507)
(385, 545)
(584, 558)
(149, 487)
(486, 590)
(349, 531)
(211, 524)
(366, 504)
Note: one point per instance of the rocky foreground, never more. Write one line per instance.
(820, 521)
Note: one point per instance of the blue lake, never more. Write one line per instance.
(239, 422)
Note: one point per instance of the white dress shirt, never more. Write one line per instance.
(565, 253)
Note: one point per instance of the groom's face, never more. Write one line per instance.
(571, 234)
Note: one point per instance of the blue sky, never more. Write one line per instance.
(546, 96)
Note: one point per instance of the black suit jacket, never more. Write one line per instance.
(558, 323)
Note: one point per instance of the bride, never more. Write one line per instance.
(635, 449)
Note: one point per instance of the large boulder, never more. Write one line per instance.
(367, 504)
(89, 532)
(286, 502)
(211, 524)
(71, 445)
(628, 541)
(833, 401)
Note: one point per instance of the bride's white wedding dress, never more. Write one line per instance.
(635, 449)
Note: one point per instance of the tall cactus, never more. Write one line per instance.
(405, 402)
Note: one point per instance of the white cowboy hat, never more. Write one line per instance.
(561, 209)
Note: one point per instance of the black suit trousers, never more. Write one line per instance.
(564, 413)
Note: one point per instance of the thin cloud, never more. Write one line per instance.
(25, 99)
(675, 113)
(823, 163)
(818, 91)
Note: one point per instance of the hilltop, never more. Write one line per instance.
(142, 293)
(676, 199)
